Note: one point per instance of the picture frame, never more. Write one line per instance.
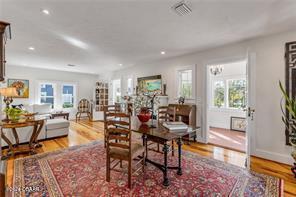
(238, 124)
(151, 84)
(21, 85)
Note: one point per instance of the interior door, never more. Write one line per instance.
(250, 105)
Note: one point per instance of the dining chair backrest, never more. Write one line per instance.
(118, 131)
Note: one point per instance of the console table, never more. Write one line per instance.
(37, 124)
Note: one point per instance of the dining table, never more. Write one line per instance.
(154, 131)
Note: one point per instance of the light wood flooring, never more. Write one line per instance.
(85, 131)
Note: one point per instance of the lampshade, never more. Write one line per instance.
(8, 92)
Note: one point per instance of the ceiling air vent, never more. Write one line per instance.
(181, 8)
(71, 65)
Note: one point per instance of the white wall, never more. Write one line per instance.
(85, 82)
(268, 138)
(220, 117)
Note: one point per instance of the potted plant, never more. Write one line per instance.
(290, 121)
(143, 105)
(14, 114)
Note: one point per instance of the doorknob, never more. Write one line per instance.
(250, 112)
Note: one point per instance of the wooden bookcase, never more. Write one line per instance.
(101, 95)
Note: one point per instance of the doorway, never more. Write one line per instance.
(116, 90)
(227, 102)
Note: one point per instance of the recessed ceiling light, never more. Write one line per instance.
(120, 64)
(31, 48)
(162, 52)
(44, 11)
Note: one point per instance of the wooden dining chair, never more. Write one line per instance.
(165, 114)
(120, 146)
(108, 111)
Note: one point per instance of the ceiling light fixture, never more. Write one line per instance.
(162, 52)
(120, 65)
(31, 48)
(216, 70)
(181, 8)
(46, 12)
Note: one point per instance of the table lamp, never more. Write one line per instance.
(8, 93)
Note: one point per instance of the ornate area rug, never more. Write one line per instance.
(80, 171)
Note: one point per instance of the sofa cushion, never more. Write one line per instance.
(42, 108)
(57, 124)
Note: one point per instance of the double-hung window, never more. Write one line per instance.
(47, 93)
(68, 95)
(229, 93)
(58, 94)
(185, 83)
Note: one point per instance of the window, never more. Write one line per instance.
(237, 93)
(185, 83)
(229, 93)
(116, 90)
(68, 96)
(47, 93)
(129, 86)
(219, 93)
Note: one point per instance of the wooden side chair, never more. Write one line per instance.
(83, 108)
(120, 146)
(108, 111)
(166, 113)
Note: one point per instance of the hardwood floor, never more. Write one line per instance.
(85, 131)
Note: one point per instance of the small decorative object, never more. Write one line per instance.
(144, 115)
(181, 100)
(21, 85)
(216, 69)
(290, 122)
(151, 84)
(238, 123)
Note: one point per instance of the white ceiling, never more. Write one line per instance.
(99, 35)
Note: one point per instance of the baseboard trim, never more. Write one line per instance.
(281, 158)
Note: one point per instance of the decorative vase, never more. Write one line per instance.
(144, 115)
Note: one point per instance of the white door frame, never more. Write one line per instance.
(251, 60)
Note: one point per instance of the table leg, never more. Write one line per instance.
(166, 181)
(33, 140)
(10, 145)
(179, 142)
(146, 147)
(15, 137)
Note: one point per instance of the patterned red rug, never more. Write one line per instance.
(80, 171)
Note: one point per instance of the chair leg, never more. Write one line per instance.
(108, 168)
(157, 147)
(76, 116)
(129, 174)
(143, 161)
(120, 163)
(173, 149)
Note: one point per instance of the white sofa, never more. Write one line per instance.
(52, 128)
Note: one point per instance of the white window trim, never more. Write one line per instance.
(58, 105)
(183, 68)
(74, 94)
(225, 79)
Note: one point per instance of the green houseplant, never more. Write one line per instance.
(289, 121)
(14, 114)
